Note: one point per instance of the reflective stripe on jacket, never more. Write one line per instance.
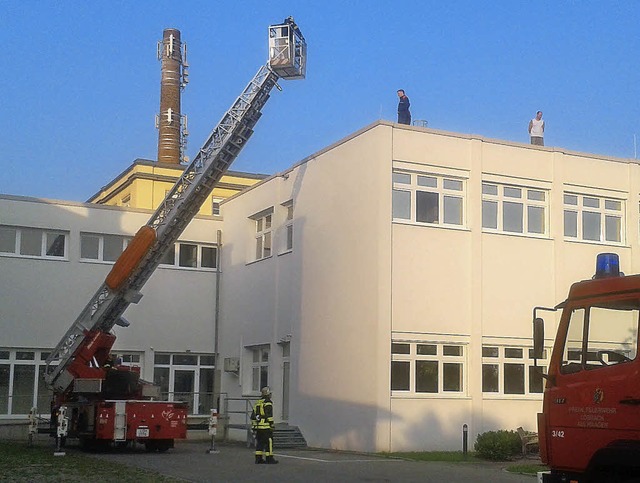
(263, 415)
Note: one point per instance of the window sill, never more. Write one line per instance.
(594, 242)
(285, 252)
(430, 225)
(34, 257)
(490, 231)
(259, 260)
(430, 395)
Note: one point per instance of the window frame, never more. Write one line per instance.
(579, 209)
(19, 231)
(125, 239)
(500, 199)
(422, 186)
(200, 247)
(502, 359)
(263, 231)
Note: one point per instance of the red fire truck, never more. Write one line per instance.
(589, 428)
(97, 400)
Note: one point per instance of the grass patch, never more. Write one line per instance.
(449, 456)
(527, 469)
(19, 462)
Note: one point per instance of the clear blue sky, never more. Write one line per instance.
(80, 84)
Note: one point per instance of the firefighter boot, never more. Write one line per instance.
(271, 460)
(259, 460)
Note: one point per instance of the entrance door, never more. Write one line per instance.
(183, 386)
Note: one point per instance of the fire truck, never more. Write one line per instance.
(95, 399)
(589, 428)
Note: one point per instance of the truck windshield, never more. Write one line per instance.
(601, 336)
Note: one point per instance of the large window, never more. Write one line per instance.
(600, 337)
(262, 223)
(427, 198)
(259, 367)
(511, 371)
(102, 247)
(33, 242)
(186, 377)
(592, 218)
(427, 368)
(514, 209)
(22, 382)
(191, 255)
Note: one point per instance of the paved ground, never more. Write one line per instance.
(190, 462)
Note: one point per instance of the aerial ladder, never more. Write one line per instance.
(77, 363)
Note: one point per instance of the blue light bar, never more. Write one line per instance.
(607, 265)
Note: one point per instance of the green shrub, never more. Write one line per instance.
(498, 445)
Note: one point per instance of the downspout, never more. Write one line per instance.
(216, 318)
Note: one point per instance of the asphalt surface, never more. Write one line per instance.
(189, 461)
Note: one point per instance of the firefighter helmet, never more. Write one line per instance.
(266, 391)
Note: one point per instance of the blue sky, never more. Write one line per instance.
(80, 85)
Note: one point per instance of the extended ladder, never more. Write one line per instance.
(130, 273)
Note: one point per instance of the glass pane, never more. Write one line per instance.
(267, 244)
(264, 376)
(289, 237)
(427, 376)
(259, 225)
(427, 349)
(255, 379)
(25, 355)
(399, 376)
(571, 224)
(259, 248)
(452, 350)
(489, 351)
(4, 355)
(286, 349)
(489, 189)
(427, 209)
(22, 400)
(264, 355)
(188, 255)
(612, 205)
(162, 359)
(267, 222)
(512, 217)
(514, 378)
(402, 178)
(401, 204)
(535, 195)
(89, 246)
(489, 214)
(512, 353)
(590, 226)
(429, 181)
(31, 242)
(536, 384)
(55, 244)
(510, 192)
(185, 360)
(289, 212)
(43, 401)
(169, 258)
(591, 202)
(205, 399)
(256, 355)
(397, 348)
(209, 257)
(112, 247)
(490, 378)
(612, 227)
(571, 200)
(535, 219)
(7, 240)
(452, 210)
(452, 377)
(4, 388)
(183, 386)
(452, 184)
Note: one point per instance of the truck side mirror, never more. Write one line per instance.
(538, 338)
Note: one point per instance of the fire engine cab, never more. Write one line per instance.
(589, 428)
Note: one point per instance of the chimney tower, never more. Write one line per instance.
(172, 126)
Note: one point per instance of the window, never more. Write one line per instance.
(126, 201)
(511, 370)
(191, 255)
(33, 242)
(514, 209)
(288, 226)
(600, 337)
(22, 382)
(592, 218)
(186, 377)
(215, 206)
(259, 368)
(102, 247)
(427, 368)
(428, 199)
(262, 223)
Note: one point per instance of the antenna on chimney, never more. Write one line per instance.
(171, 124)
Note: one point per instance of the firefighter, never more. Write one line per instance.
(262, 423)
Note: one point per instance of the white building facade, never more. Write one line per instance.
(382, 287)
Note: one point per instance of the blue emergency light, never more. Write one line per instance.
(607, 265)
